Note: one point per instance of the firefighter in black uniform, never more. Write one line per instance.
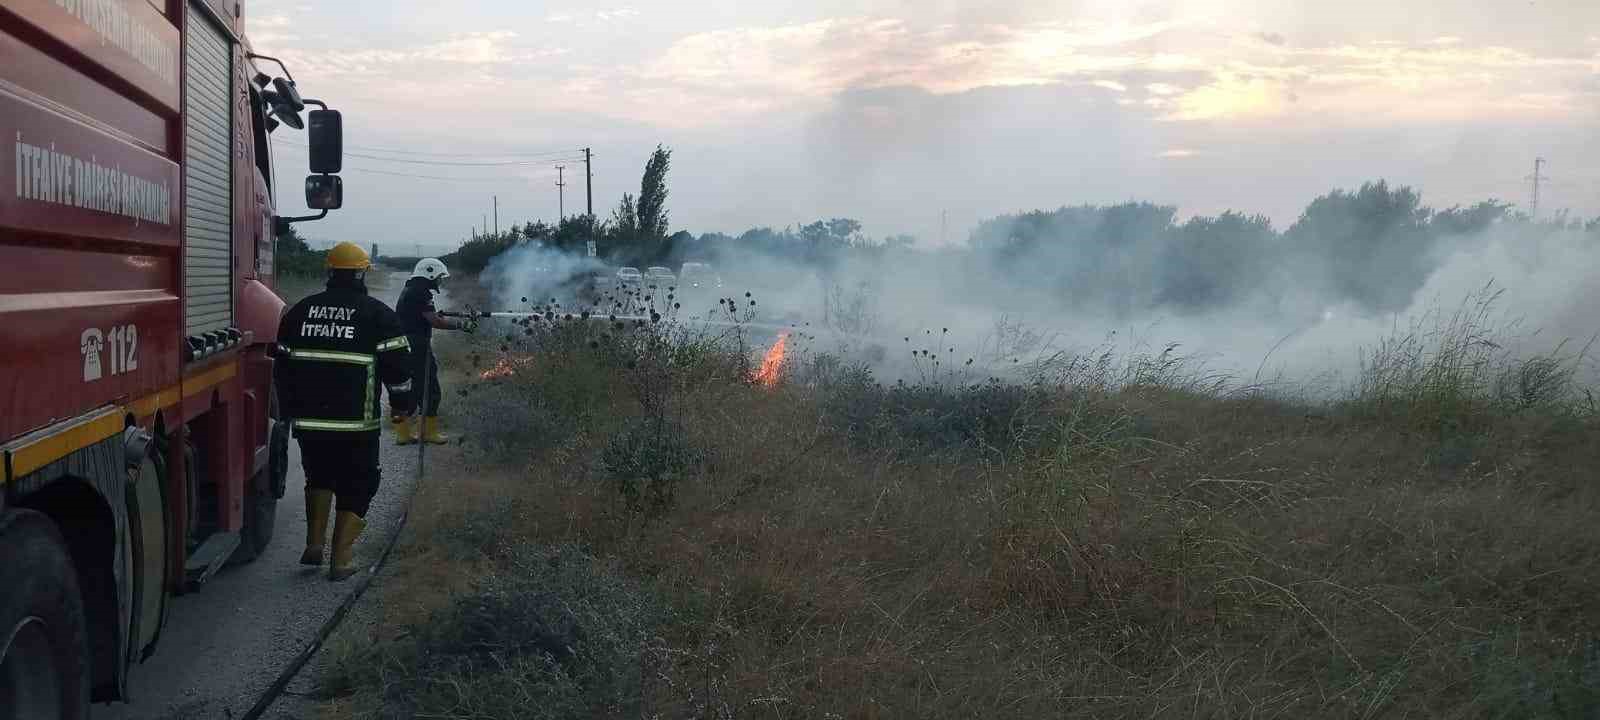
(333, 350)
(419, 319)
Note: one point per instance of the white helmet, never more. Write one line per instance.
(431, 269)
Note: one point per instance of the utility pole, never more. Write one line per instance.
(497, 216)
(588, 184)
(561, 193)
(1536, 177)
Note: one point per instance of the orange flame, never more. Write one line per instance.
(772, 363)
(505, 367)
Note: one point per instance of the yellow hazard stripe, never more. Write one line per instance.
(197, 384)
(49, 449)
(33, 455)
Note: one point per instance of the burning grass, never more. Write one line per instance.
(772, 363)
(506, 366)
(1107, 539)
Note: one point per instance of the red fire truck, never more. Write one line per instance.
(136, 308)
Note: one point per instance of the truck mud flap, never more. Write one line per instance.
(278, 459)
(207, 559)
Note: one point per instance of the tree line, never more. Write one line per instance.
(1373, 247)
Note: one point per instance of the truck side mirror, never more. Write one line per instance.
(324, 192)
(326, 138)
(282, 110)
(289, 94)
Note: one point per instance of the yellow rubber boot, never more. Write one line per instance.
(404, 431)
(346, 528)
(430, 432)
(318, 504)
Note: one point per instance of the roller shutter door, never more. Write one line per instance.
(207, 176)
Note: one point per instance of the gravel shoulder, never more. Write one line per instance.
(225, 644)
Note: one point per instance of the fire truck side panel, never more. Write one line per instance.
(245, 428)
(68, 348)
(89, 236)
(134, 218)
(212, 404)
(129, 41)
(30, 69)
(68, 178)
(228, 12)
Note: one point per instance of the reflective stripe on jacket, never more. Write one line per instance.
(334, 349)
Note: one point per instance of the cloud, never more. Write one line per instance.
(481, 48)
(1250, 76)
(1231, 95)
(622, 13)
(1180, 71)
(489, 51)
(828, 56)
(598, 16)
(1179, 153)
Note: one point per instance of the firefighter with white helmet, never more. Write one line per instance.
(419, 318)
(333, 350)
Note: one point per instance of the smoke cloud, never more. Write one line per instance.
(1300, 306)
(534, 274)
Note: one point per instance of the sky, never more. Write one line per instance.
(926, 117)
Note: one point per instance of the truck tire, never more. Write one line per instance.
(277, 448)
(260, 515)
(149, 531)
(262, 494)
(44, 641)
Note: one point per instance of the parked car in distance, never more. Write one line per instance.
(629, 276)
(699, 275)
(660, 275)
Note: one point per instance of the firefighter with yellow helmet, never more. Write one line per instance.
(334, 349)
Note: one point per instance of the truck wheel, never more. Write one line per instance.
(277, 448)
(44, 648)
(260, 515)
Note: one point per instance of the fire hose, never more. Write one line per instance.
(519, 315)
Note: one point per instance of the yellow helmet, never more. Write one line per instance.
(348, 256)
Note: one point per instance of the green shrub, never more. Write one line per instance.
(1461, 371)
(474, 255)
(557, 634)
(647, 459)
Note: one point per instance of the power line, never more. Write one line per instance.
(530, 154)
(446, 163)
(561, 192)
(370, 171)
(1533, 208)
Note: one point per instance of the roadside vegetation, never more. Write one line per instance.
(645, 525)
(647, 521)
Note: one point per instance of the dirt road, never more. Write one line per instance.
(228, 642)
